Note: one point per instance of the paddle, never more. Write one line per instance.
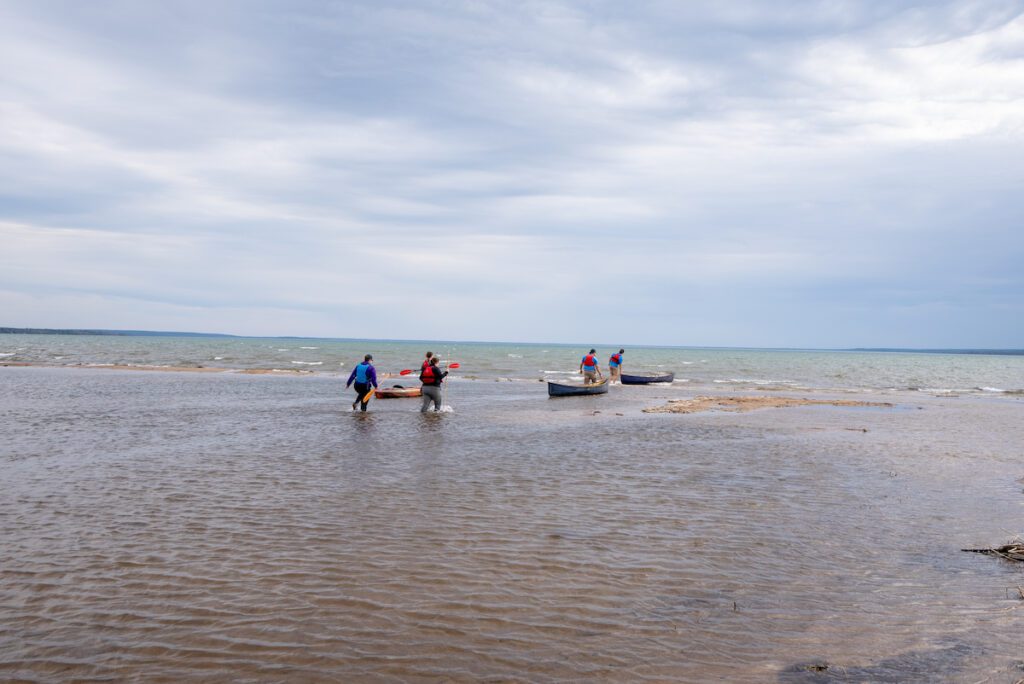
(406, 371)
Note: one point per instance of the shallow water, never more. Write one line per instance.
(172, 526)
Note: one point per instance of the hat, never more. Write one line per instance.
(369, 357)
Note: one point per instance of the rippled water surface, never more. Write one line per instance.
(173, 526)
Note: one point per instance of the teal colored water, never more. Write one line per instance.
(693, 368)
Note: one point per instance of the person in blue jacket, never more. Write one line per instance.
(615, 366)
(590, 368)
(365, 376)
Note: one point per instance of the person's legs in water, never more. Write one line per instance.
(362, 389)
(431, 394)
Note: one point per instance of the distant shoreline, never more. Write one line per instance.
(160, 333)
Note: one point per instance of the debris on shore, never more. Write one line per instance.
(1013, 551)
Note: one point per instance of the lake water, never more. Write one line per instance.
(234, 527)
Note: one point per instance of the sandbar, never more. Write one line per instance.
(751, 403)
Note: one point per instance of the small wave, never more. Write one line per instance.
(309, 347)
(218, 358)
(515, 356)
(283, 350)
(546, 372)
(7, 353)
(680, 380)
(308, 363)
(687, 363)
(991, 389)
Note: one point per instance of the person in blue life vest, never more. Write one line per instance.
(431, 376)
(615, 366)
(365, 376)
(590, 368)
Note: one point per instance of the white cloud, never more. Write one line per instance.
(327, 164)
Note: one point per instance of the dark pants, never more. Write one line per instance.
(362, 394)
(431, 393)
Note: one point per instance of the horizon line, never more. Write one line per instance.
(114, 332)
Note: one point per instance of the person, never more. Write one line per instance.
(426, 361)
(590, 368)
(365, 376)
(431, 376)
(615, 366)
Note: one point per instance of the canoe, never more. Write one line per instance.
(646, 379)
(397, 392)
(557, 389)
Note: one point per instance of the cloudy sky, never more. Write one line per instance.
(810, 173)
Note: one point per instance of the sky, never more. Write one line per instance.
(803, 173)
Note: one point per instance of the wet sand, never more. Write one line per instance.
(751, 403)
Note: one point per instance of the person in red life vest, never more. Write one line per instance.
(431, 376)
(615, 366)
(365, 376)
(426, 361)
(590, 368)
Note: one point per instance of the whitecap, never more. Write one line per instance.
(7, 353)
(218, 358)
(515, 356)
(308, 363)
(992, 389)
(309, 347)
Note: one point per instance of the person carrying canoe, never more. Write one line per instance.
(615, 366)
(365, 376)
(590, 368)
(431, 376)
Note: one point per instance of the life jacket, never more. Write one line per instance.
(589, 361)
(361, 372)
(616, 359)
(427, 374)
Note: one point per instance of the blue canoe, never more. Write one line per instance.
(646, 379)
(557, 389)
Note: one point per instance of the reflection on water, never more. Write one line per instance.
(173, 526)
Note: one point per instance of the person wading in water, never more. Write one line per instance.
(365, 376)
(431, 376)
(615, 366)
(590, 368)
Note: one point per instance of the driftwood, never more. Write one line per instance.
(1013, 551)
